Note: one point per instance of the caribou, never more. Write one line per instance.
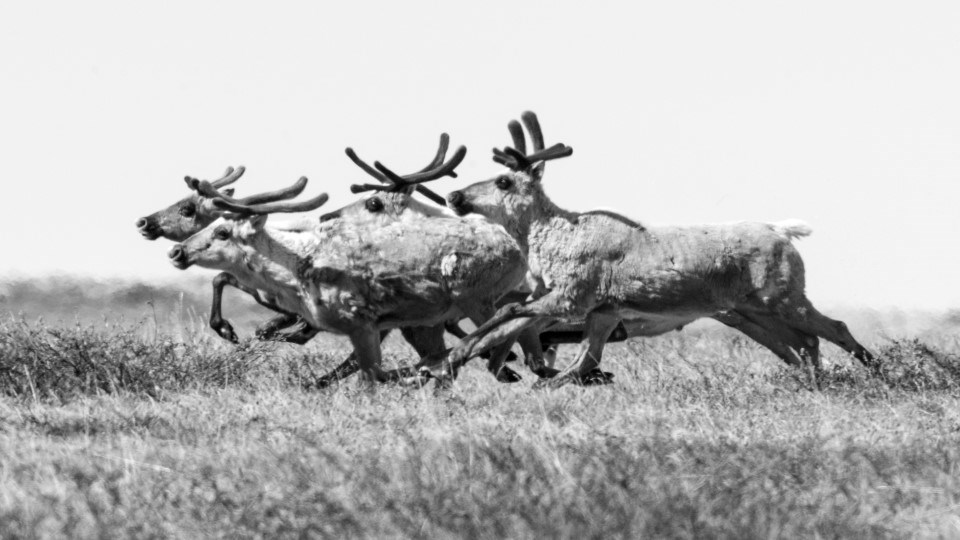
(190, 215)
(365, 268)
(601, 267)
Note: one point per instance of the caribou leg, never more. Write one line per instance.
(454, 329)
(498, 352)
(508, 323)
(532, 344)
(764, 336)
(599, 325)
(271, 330)
(224, 329)
(802, 317)
(424, 340)
(345, 369)
(366, 345)
(794, 347)
(809, 320)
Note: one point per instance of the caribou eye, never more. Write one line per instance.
(374, 204)
(221, 234)
(188, 210)
(504, 182)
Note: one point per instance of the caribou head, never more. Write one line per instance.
(392, 197)
(191, 214)
(514, 193)
(229, 241)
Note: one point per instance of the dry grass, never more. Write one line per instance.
(126, 431)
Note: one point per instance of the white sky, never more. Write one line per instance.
(844, 114)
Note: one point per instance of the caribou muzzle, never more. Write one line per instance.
(458, 203)
(178, 256)
(148, 228)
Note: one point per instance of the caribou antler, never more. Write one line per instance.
(441, 153)
(393, 182)
(516, 158)
(224, 202)
(260, 198)
(533, 128)
(516, 133)
(229, 177)
(278, 195)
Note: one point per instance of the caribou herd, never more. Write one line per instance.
(498, 252)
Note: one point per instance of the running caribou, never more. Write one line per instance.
(190, 215)
(603, 267)
(365, 268)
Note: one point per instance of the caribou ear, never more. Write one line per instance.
(536, 171)
(257, 221)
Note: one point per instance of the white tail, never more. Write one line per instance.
(793, 228)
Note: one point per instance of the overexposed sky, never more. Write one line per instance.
(844, 114)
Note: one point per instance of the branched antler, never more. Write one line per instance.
(393, 182)
(272, 206)
(229, 177)
(516, 158)
(232, 175)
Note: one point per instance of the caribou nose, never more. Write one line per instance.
(455, 198)
(142, 223)
(177, 254)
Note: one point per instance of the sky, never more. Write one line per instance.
(843, 114)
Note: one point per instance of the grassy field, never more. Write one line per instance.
(142, 423)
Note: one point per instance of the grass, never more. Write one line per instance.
(122, 430)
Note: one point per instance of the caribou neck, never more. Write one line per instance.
(544, 218)
(273, 262)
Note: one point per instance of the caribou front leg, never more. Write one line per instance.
(366, 346)
(511, 321)
(346, 368)
(454, 329)
(498, 354)
(584, 369)
(223, 328)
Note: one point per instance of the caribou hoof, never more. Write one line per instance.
(225, 330)
(595, 378)
(507, 375)
(545, 372)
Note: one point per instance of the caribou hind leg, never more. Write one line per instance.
(802, 316)
(764, 336)
(795, 347)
